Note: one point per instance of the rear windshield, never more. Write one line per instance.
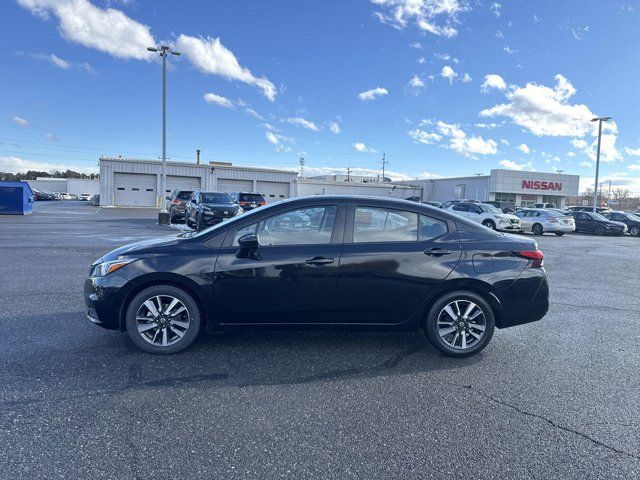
(184, 195)
(216, 198)
(250, 197)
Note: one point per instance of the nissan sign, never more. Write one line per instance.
(541, 185)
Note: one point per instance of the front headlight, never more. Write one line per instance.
(106, 268)
(239, 211)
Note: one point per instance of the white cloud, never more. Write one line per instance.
(608, 151)
(585, 164)
(362, 148)
(509, 51)
(416, 45)
(511, 165)
(372, 94)
(433, 16)
(504, 141)
(108, 30)
(632, 152)
(276, 139)
(635, 167)
(334, 127)
(499, 34)
(51, 137)
(60, 63)
(303, 122)
(253, 113)
(496, 8)
(493, 81)
(448, 73)
(214, 99)
(16, 164)
(524, 148)
(420, 136)
(571, 154)
(466, 78)
(469, 146)
(209, 55)
(272, 137)
(20, 121)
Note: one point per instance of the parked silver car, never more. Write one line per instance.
(540, 221)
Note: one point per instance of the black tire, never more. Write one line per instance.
(431, 324)
(489, 224)
(635, 231)
(537, 229)
(559, 233)
(198, 223)
(189, 334)
(187, 220)
(599, 230)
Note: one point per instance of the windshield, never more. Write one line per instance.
(489, 208)
(633, 217)
(251, 197)
(216, 198)
(597, 216)
(184, 195)
(225, 223)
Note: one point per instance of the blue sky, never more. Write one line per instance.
(442, 87)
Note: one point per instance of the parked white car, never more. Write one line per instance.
(540, 221)
(84, 196)
(487, 215)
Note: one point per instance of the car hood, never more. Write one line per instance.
(508, 216)
(616, 224)
(144, 247)
(220, 206)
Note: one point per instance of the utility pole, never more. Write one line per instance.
(163, 216)
(384, 162)
(348, 174)
(302, 166)
(609, 196)
(595, 186)
(198, 157)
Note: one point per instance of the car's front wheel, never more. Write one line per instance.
(163, 319)
(635, 231)
(600, 230)
(489, 224)
(537, 229)
(460, 324)
(559, 234)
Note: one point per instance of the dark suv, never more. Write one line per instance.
(177, 203)
(208, 208)
(248, 201)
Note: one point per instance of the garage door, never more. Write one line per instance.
(135, 190)
(273, 191)
(228, 185)
(175, 182)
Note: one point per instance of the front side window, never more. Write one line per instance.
(384, 225)
(305, 226)
(461, 207)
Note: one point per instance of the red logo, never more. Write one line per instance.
(541, 185)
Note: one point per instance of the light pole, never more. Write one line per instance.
(163, 216)
(595, 187)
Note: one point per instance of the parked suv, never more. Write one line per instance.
(177, 203)
(590, 222)
(629, 219)
(542, 220)
(448, 203)
(487, 215)
(208, 208)
(248, 201)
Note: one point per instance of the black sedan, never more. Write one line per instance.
(323, 261)
(629, 219)
(209, 208)
(589, 222)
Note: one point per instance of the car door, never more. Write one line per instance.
(291, 278)
(584, 222)
(391, 262)
(475, 213)
(525, 219)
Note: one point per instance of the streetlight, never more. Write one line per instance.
(163, 216)
(595, 188)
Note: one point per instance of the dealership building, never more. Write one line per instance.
(520, 187)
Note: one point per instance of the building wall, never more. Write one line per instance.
(307, 187)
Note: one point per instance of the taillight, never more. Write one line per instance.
(263, 203)
(175, 201)
(536, 257)
(553, 220)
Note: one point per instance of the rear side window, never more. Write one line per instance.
(184, 195)
(461, 207)
(384, 225)
(430, 228)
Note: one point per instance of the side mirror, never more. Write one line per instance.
(193, 200)
(167, 198)
(248, 245)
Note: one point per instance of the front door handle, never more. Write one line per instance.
(319, 261)
(436, 252)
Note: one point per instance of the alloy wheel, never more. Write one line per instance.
(162, 320)
(635, 231)
(461, 324)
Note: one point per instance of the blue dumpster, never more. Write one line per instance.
(16, 198)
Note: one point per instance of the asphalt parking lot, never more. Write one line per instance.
(554, 399)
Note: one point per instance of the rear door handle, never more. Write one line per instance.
(436, 252)
(319, 261)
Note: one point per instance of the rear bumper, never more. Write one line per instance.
(551, 227)
(526, 300)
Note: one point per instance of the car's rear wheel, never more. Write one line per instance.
(187, 220)
(537, 229)
(489, 224)
(559, 234)
(460, 324)
(198, 223)
(635, 231)
(163, 319)
(600, 230)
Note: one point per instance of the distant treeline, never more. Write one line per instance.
(33, 174)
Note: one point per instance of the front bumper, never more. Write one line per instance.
(511, 227)
(104, 297)
(213, 218)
